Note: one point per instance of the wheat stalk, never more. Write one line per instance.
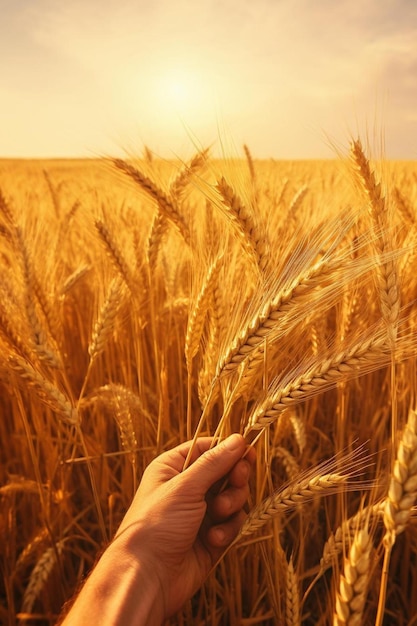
(74, 278)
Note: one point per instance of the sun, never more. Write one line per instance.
(183, 91)
(178, 88)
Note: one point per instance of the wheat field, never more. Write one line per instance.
(145, 302)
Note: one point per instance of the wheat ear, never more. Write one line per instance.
(387, 271)
(292, 596)
(31, 548)
(115, 254)
(9, 332)
(292, 469)
(404, 208)
(365, 355)
(296, 202)
(271, 317)
(253, 239)
(47, 391)
(74, 278)
(54, 193)
(40, 575)
(353, 583)
(121, 401)
(159, 229)
(249, 160)
(180, 182)
(402, 493)
(165, 204)
(198, 313)
(320, 480)
(40, 346)
(290, 497)
(336, 542)
(105, 322)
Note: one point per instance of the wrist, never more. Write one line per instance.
(121, 591)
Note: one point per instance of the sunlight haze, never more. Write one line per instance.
(289, 78)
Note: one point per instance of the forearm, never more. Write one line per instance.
(119, 592)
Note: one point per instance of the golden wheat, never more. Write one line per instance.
(290, 318)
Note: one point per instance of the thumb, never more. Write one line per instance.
(213, 465)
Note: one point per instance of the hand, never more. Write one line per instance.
(177, 524)
(175, 530)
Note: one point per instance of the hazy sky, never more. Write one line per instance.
(88, 77)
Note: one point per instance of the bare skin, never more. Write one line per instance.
(176, 528)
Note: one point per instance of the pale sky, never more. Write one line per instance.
(287, 77)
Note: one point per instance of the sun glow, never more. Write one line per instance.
(179, 89)
(184, 92)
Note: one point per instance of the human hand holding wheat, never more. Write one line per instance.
(177, 527)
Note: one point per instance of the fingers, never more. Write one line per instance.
(225, 510)
(207, 466)
(228, 503)
(221, 535)
(213, 465)
(239, 475)
(231, 499)
(175, 458)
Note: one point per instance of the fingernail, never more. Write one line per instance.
(233, 442)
